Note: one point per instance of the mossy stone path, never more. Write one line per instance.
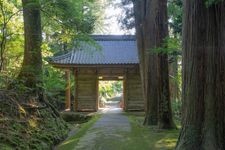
(109, 130)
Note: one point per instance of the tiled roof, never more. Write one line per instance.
(113, 50)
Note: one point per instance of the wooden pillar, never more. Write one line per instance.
(76, 89)
(68, 95)
(97, 94)
(125, 92)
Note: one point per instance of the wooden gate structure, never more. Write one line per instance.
(112, 58)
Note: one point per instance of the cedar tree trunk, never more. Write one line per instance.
(152, 29)
(173, 73)
(203, 124)
(150, 94)
(31, 72)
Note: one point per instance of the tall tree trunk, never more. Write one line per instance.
(165, 120)
(203, 124)
(3, 37)
(31, 72)
(150, 95)
(160, 33)
(152, 29)
(174, 85)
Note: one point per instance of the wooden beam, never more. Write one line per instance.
(68, 94)
(104, 78)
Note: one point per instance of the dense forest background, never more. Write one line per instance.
(32, 91)
(181, 51)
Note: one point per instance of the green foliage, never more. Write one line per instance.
(54, 84)
(75, 15)
(4, 80)
(31, 4)
(209, 3)
(109, 89)
(64, 21)
(11, 39)
(176, 108)
(175, 7)
(118, 86)
(175, 13)
(169, 46)
(53, 79)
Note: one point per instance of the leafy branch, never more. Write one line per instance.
(169, 46)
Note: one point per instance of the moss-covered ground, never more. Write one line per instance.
(26, 128)
(139, 138)
(72, 141)
(149, 138)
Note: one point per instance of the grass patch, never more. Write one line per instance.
(71, 142)
(149, 138)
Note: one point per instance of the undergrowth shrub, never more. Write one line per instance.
(176, 109)
(54, 84)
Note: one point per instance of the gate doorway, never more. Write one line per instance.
(110, 93)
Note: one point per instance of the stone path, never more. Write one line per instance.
(109, 130)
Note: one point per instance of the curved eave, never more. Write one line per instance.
(57, 65)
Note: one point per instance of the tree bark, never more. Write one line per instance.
(150, 95)
(165, 120)
(160, 27)
(3, 37)
(203, 124)
(174, 84)
(31, 72)
(151, 30)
